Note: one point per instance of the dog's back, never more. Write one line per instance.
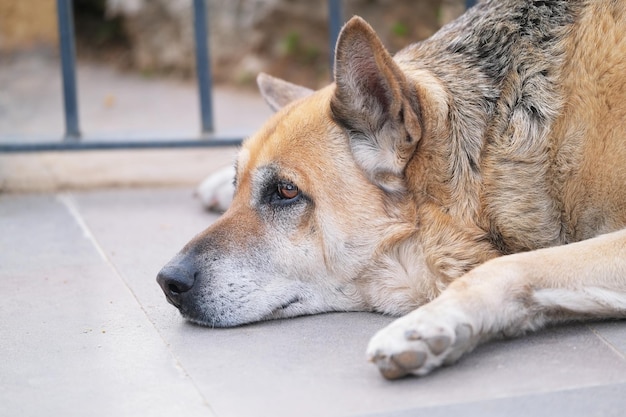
(537, 92)
(589, 139)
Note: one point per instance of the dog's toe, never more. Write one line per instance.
(409, 359)
(389, 368)
(416, 345)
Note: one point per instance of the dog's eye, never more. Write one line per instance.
(287, 191)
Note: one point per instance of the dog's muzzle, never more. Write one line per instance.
(176, 278)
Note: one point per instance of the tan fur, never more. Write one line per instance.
(495, 216)
(590, 144)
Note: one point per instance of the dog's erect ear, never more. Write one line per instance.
(375, 103)
(278, 93)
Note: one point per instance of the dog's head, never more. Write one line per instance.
(321, 202)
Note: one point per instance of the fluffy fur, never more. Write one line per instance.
(478, 175)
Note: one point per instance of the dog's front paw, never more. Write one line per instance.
(420, 342)
(216, 191)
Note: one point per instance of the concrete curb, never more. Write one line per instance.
(56, 171)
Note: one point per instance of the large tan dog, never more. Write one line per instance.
(475, 183)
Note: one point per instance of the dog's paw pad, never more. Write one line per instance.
(411, 346)
(438, 344)
(399, 364)
(409, 359)
(389, 368)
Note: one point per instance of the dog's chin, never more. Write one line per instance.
(291, 308)
(214, 319)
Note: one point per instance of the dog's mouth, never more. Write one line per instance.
(286, 305)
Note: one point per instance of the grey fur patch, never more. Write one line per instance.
(500, 63)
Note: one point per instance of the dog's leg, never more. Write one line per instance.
(216, 191)
(507, 296)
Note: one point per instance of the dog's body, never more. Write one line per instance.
(458, 175)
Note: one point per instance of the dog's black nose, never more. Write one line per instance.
(176, 278)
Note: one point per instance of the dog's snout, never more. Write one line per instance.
(175, 279)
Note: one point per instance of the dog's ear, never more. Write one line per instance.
(278, 93)
(376, 104)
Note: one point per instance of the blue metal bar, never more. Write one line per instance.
(68, 69)
(103, 144)
(335, 21)
(469, 3)
(203, 68)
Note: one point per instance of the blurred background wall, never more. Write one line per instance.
(287, 38)
(27, 24)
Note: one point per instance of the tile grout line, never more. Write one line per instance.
(68, 202)
(70, 205)
(607, 342)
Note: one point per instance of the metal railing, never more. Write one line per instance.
(72, 138)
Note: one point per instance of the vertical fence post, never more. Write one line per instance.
(203, 69)
(68, 68)
(335, 20)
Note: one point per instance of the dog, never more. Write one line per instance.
(474, 184)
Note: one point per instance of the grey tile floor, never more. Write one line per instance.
(85, 331)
